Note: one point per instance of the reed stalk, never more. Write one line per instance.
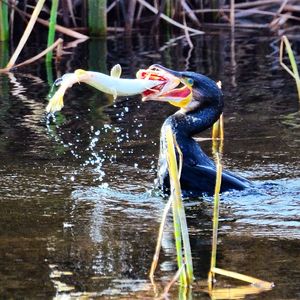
(169, 20)
(159, 239)
(171, 283)
(215, 219)
(218, 129)
(232, 15)
(178, 243)
(4, 28)
(255, 281)
(217, 151)
(3, 54)
(59, 28)
(26, 34)
(41, 54)
(51, 31)
(97, 17)
(180, 224)
(294, 72)
(168, 8)
(130, 15)
(217, 134)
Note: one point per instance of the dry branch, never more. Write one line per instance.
(166, 18)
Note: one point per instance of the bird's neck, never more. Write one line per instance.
(188, 124)
(184, 126)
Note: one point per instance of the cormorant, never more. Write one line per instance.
(201, 104)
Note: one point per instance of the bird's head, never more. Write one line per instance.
(187, 90)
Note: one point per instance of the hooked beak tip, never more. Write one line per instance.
(170, 71)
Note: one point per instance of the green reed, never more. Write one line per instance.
(97, 19)
(4, 28)
(4, 56)
(183, 247)
(51, 32)
(294, 72)
(215, 218)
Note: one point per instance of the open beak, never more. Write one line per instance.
(174, 88)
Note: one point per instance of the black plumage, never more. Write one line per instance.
(198, 174)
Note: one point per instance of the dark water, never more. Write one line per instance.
(78, 215)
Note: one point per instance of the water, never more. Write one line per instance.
(78, 212)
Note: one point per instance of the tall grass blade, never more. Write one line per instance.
(168, 8)
(3, 54)
(218, 129)
(294, 72)
(215, 219)
(218, 136)
(41, 54)
(58, 28)
(26, 34)
(97, 17)
(265, 285)
(4, 28)
(180, 224)
(51, 32)
(171, 283)
(178, 242)
(159, 239)
(257, 282)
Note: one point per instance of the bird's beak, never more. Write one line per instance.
(174, 88)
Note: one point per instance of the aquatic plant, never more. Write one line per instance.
(4, 28)
(218, 134)
(182, 242)
(218, 129)
(215, 219)
(294, 72)
(26, 34)
(51, 32)
(97, 17)
(103, 15)
(179, 219)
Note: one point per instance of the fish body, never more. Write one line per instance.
(113, 85)
(118, 86)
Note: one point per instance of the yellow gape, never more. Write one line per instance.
(185, 93)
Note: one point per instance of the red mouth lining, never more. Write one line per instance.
(152, 76)
(153, 90)
(181, 92)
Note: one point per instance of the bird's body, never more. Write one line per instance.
(200, 109)
(198, 175)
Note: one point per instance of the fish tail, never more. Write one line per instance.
(56, 103)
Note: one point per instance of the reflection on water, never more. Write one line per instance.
(78, 213)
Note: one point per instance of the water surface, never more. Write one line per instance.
(78, 211)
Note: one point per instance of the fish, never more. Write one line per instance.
(110, 84)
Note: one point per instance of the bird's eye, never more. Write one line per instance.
(190, 81)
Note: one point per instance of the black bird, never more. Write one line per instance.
(201, 104)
